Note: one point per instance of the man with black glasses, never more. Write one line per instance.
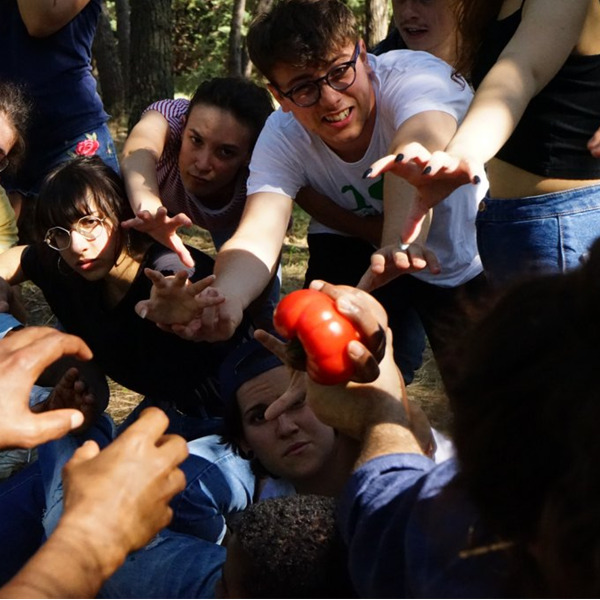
(340, 110)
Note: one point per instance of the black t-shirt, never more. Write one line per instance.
(133, 351)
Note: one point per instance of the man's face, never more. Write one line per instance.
(296, 445)
(344, 119)
(427, 25)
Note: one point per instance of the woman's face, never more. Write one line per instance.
(296, 445)
(92, 246)
(8, 137)
(214, 147)
(427, 25)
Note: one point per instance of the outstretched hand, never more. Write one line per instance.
(117, 499)
(175, 299)
(391, 261)
(365, 355)
(71, 391)
(164, 230)
(435, 176)
(23, 357)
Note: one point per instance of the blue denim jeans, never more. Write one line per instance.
(550, 233)
(91, 143)
(31, 500)
(219, 483)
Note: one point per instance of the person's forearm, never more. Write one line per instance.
(68, 565)
(139, 174)
(45, 17)
(383, 438)
(330, 214)
(398, 199)
(242, 274)
(496, 109)
(546, 36)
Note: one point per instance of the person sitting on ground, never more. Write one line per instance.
(77, 558)
(502, 519)
(92, 274)
(254, 459)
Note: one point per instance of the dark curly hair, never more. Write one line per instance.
(300, 33)
(15, 106)
(526, 401)
(293, 549)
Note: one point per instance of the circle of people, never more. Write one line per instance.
(452, 179)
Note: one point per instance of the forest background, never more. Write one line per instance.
(147, 50)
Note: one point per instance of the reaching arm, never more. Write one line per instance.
(23, 357)
(114, 502)
(45, 17)
(245, 265)
(402, 200)
(547, 34)
(142, 150)
(327, 212)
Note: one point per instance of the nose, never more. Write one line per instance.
(329, 96)
(202, 160)
(78, 242)
(286, 425)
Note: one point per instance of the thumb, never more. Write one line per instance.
(52, 425)
(141, 308)
(85, 452)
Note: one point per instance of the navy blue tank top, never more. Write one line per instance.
(551, 137)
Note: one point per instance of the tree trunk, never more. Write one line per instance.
(109, 66)
(260, 6)
(151, 55)
(376, 21)
(234, 63)
(123, 31)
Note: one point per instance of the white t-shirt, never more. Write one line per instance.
(406, 82)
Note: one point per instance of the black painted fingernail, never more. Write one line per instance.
(476, 179)
(367, 173)
(426, 170)
(399, 158)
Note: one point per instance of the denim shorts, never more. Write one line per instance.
(97, 142)
(549, 233)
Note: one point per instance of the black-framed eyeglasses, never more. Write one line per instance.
(4, 162)
(59, 238)
(340, 77)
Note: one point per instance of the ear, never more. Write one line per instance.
(286, 105)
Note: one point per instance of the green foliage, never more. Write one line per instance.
(200, 38)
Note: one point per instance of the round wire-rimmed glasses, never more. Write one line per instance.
(59, 238)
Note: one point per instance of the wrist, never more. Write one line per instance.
(97, 550)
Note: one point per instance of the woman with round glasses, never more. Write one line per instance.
(92, 275)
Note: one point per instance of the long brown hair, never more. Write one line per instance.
(473, 18)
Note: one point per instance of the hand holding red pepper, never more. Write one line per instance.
(311, 318)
